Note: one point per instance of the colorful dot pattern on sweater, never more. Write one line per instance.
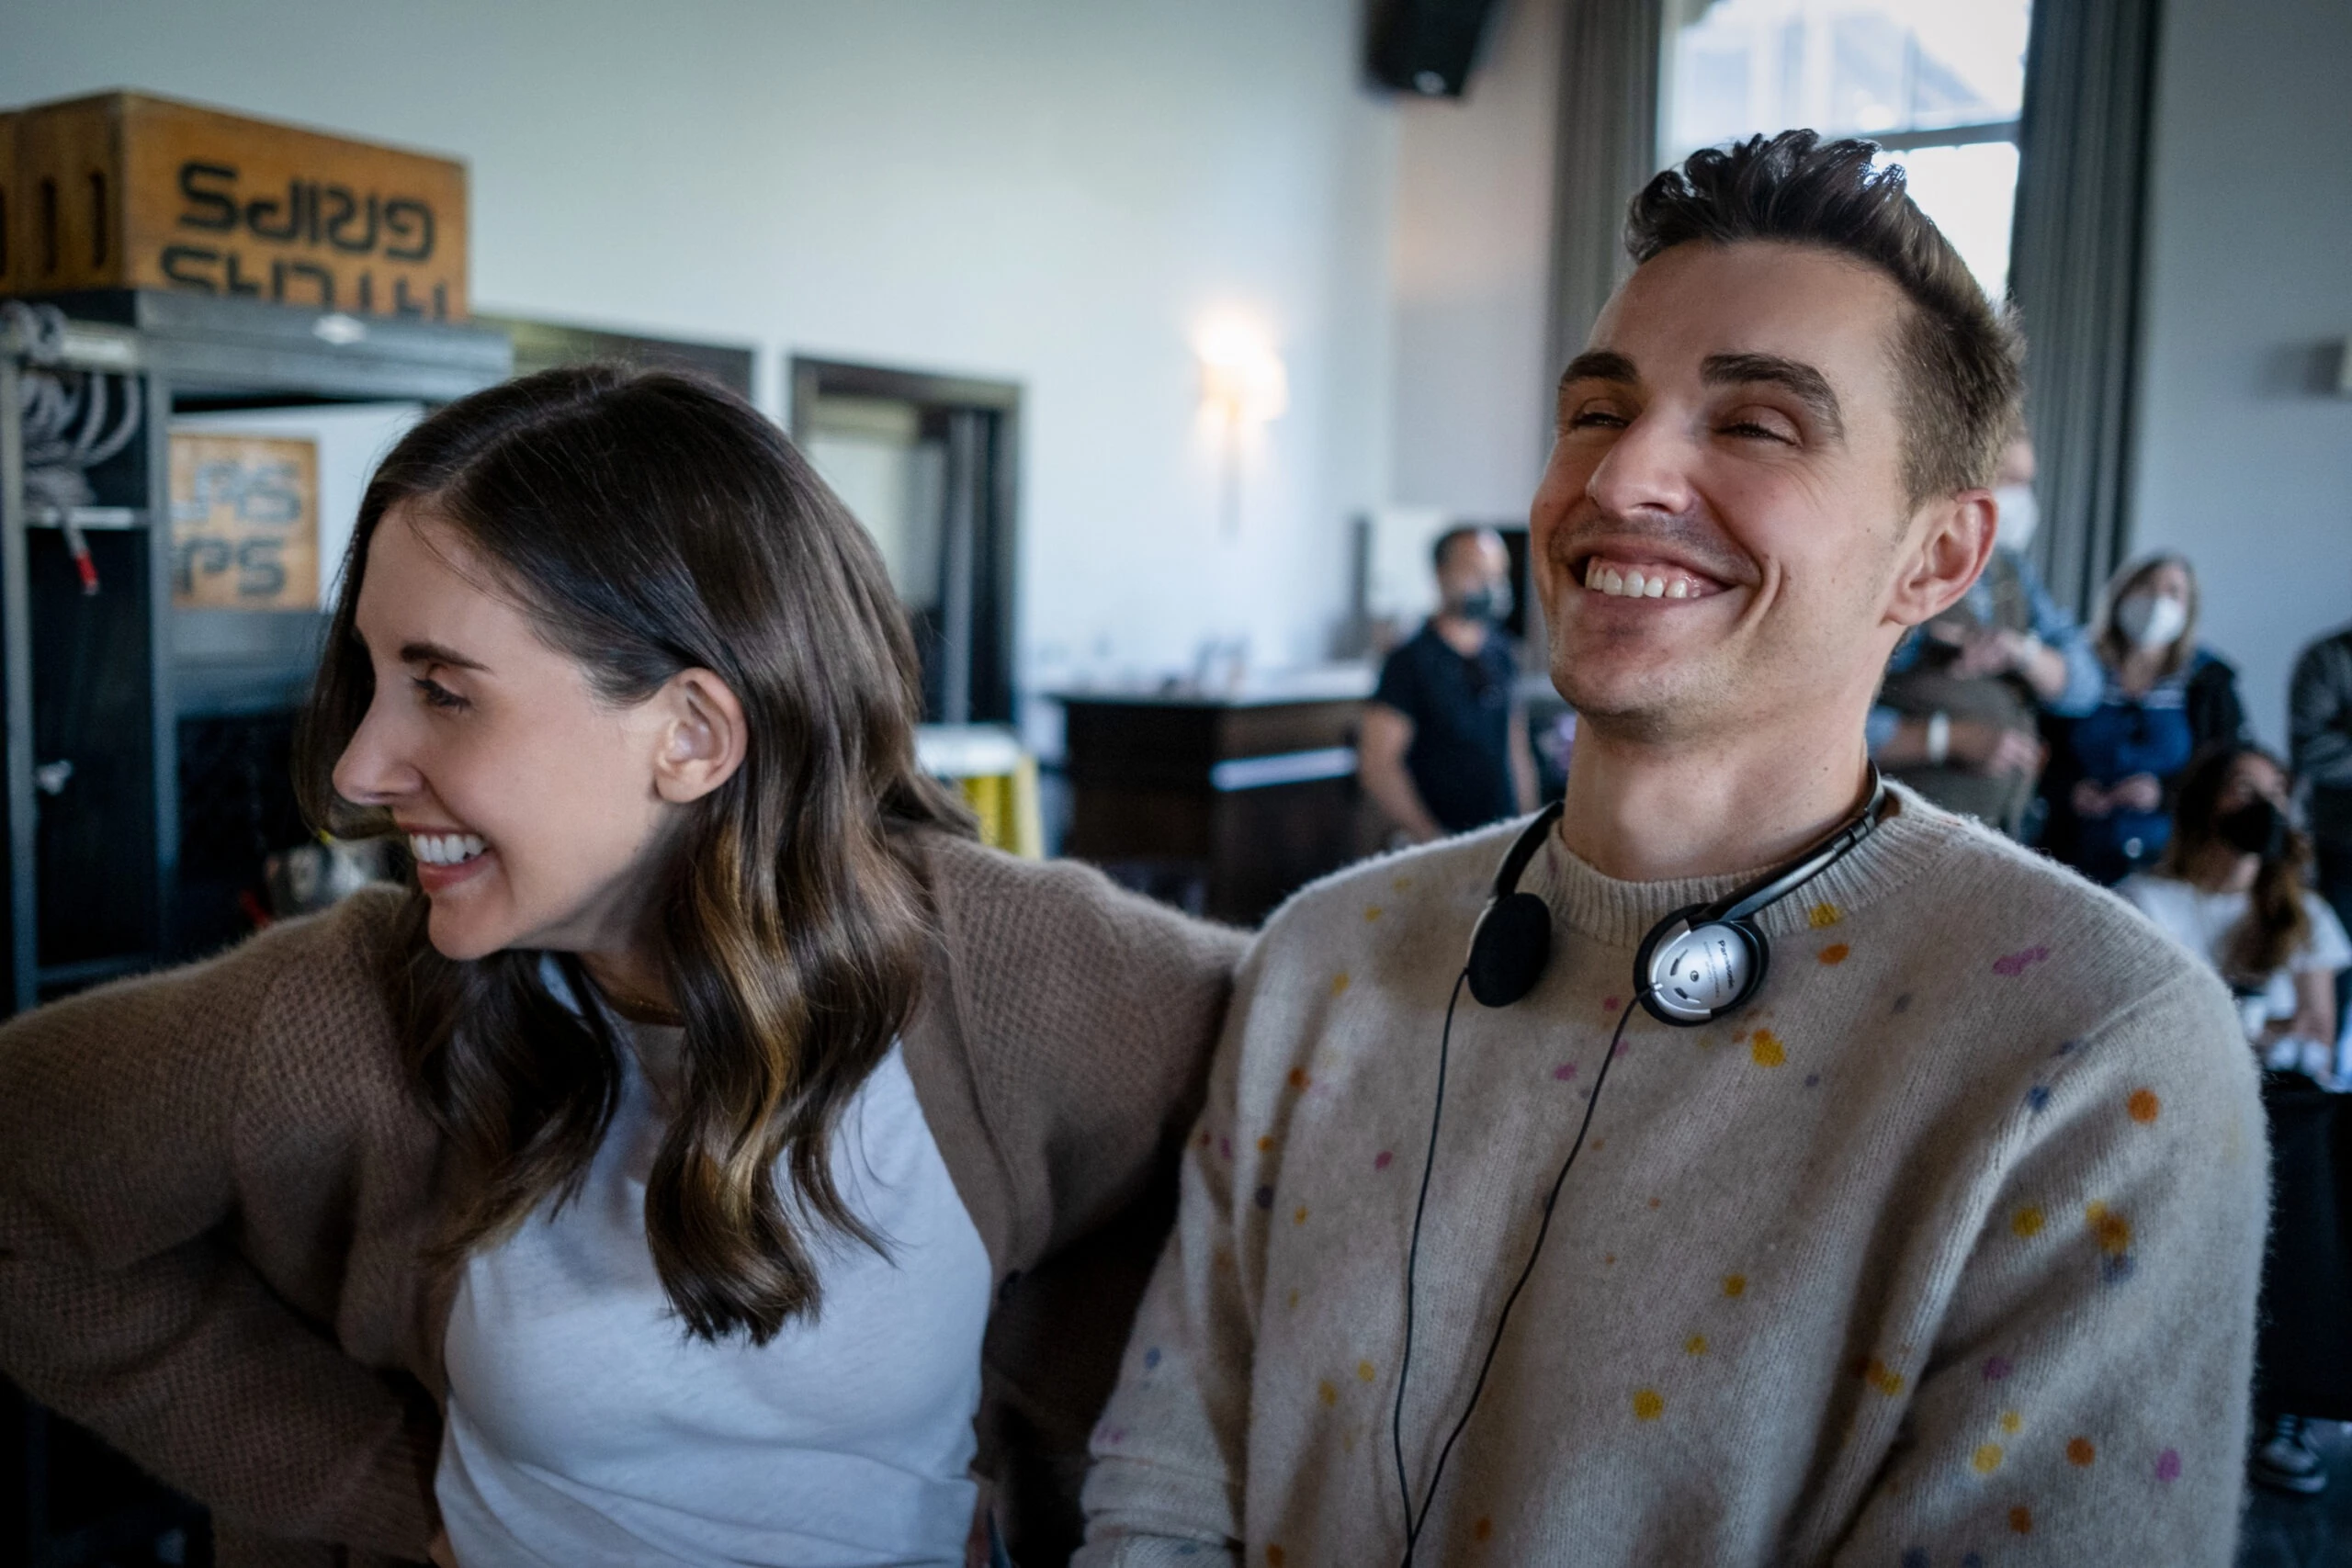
(1693, 1283)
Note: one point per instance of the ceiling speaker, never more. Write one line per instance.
(1428, 46)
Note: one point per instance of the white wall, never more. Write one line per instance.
(1052, 191)
(2244, 462)
(1473, 267)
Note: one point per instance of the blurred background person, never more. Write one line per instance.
(2319, 722)
(1959, 716)
(2164, 699)
(1443, 746)
(2232, 886)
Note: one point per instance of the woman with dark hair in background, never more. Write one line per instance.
(643, 1182)
(2166, 699)
(2233, 889)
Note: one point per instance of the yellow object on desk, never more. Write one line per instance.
(998, 779)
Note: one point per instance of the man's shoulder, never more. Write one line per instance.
(2324, 656)
(2048, 918)
(1449, 876)
(1000, 910)
(1405, 662)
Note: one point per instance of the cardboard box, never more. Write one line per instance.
(125, 190)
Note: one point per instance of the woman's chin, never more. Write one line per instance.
(462, 935)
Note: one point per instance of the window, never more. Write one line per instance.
(1938, 83)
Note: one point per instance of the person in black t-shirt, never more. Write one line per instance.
(1444, 743)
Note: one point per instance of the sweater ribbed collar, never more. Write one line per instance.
(1601, 908)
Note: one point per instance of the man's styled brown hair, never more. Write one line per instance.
(1959, 355)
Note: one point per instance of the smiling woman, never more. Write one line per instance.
(687, 1124)
(526, 657)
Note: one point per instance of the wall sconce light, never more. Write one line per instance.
(1242, 379)
(1244, 387)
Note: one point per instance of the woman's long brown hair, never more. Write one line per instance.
(2277, 925)
(650, 523)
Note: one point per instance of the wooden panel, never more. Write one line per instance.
(1139, 745)
(245, 521)
(1263, 729)
(151, 194)
(64, 163)
(1169, 744)
(1140, 772)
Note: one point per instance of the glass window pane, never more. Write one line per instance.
(1971, 193)
(1843, 67)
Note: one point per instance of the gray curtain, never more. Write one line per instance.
(1608, 151)
(2075, 271)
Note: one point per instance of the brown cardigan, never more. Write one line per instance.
(215, 1184)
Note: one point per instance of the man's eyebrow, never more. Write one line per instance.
(1810, 387)
(1600, 365)
(435, 653)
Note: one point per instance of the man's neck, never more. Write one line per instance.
(1640, 811)
(1460, 632)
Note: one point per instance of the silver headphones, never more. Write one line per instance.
(1695, 966)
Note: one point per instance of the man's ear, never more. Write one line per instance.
(1953, 539)
(702, 739)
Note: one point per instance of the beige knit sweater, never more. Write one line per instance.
(1943, 1252)
(215, 1187)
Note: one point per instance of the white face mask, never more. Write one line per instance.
(2018, 516)
(2152, 620)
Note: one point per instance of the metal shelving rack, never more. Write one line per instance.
(93, 848)
(95, 688)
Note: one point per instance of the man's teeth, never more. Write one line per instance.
(445, 849)
(1634, 583)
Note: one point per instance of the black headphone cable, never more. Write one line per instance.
(1412, 1260)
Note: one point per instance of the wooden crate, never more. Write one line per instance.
(125, 190)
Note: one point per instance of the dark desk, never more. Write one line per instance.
(1225, 807)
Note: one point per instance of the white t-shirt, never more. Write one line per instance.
(587, 1429)
(2204, 923)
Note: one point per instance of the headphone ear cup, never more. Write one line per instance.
(1509, 949)
(1688, 976)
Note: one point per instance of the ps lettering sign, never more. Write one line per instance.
(127, 190)
(245, 521)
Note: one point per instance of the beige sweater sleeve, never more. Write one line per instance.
(2094, 1358)
(124, 1301)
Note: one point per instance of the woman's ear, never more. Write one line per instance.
(1950, 551)
(702, 739)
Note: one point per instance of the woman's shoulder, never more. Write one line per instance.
(1065, 1026)
(2327, 947)
(995, 909)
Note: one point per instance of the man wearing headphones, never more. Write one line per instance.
(1793, 1171)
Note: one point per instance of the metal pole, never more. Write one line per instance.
(163, 711)
(963, 482)
(16, 668)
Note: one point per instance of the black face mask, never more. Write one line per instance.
(2257, 828)
(1490, 604)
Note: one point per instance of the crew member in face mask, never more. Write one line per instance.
(2163, 700)
(1957, 718)
(2231, 890)
(1445, 745)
